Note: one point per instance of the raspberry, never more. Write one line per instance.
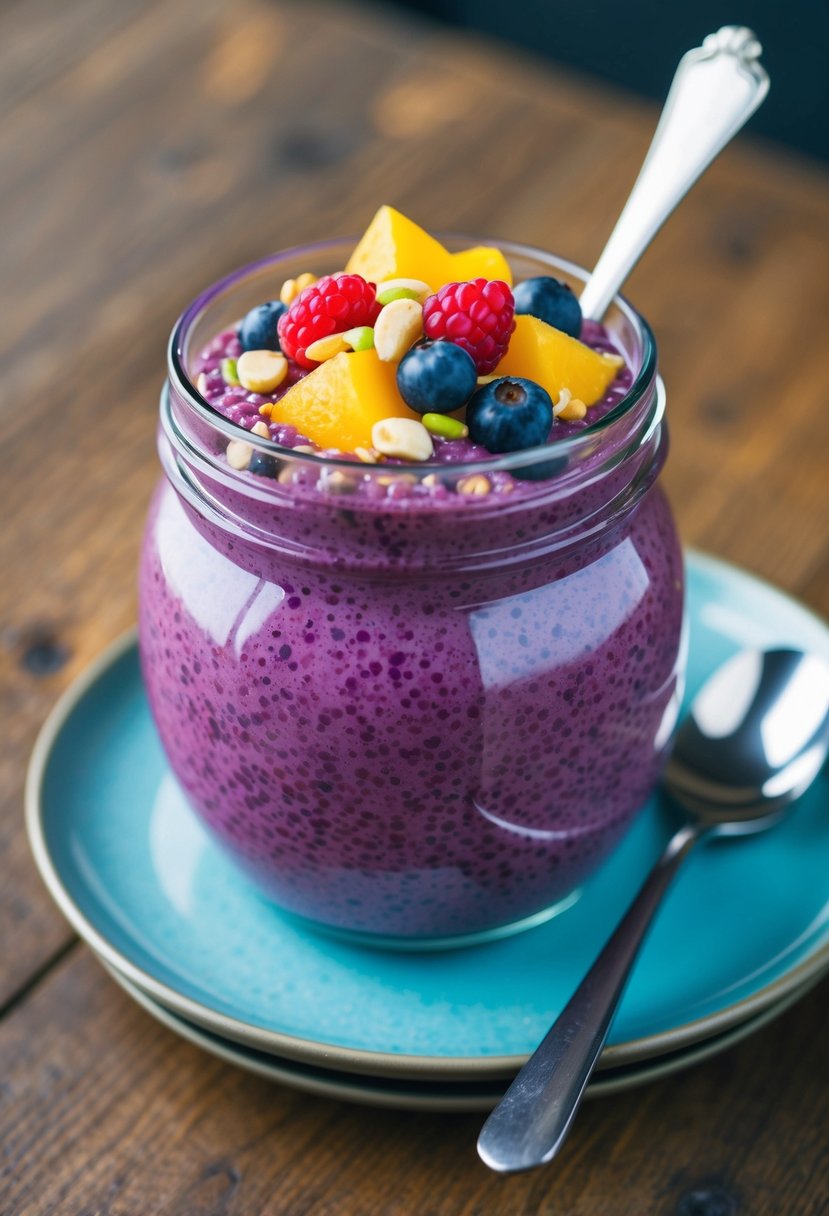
(478, 315)
(332, 305)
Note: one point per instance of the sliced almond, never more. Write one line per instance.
(261, 371)
(403, 437)
(327, 348)
(613, 360)
(261, 429)
(397, 328)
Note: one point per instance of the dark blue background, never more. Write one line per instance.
(638, 43)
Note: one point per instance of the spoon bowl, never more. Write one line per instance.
(757, 735)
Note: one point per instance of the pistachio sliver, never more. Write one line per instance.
(445, 425)
(228, 370)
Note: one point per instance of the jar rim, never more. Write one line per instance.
(526, 457)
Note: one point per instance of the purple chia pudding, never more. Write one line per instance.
(411, 713)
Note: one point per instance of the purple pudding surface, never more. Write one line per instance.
(242, 407)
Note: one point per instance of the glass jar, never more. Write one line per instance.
(410, 714)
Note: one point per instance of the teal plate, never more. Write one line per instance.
(134, 872)
(443, 1095)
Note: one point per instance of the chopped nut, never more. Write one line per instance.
(228, 369)
(398, 327)
(488, 379)
(327, 348)
(573, 411)
(367, 455)
(336, 482)
(446, 426)
(292, 287)
(361, 337)
(394, 479)
(475, 483)
(430, 480)
(403, 437)
(562, 403)
(285, 476)
(261, 371)
(613, 360)
(402, 289)
(304, 449)
(201, 384)
(261, 429)
(239, 454)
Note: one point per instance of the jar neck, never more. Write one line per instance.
(311, 517)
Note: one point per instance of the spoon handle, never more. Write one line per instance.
(531, 1122)
(717, 87)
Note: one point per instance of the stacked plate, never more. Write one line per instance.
(743, 933)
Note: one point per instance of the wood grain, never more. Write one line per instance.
(106, 1112)
(148, 147)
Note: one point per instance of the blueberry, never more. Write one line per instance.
(258, 328)
(509, 414)
(263, 466)
(550, 301)
(436, 377)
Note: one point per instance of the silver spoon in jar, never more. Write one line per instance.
(756, 737)
(716, 89)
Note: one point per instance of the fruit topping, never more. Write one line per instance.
(436, 377)
(338, 403)
(261, 371)
(405, 438)
(397, 328)
(394, 247)
(510, 414)
(331, 305)
(477, 315)
(551, 301)
(258, 330)
(556, 361)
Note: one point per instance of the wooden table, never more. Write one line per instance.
(148, 146)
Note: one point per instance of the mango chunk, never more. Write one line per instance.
(554, 360)
(338, 403)
(394, 247)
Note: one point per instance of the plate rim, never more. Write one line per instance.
(351, 1058)
(655, 1069)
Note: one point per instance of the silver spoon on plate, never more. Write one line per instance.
(756, 737)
